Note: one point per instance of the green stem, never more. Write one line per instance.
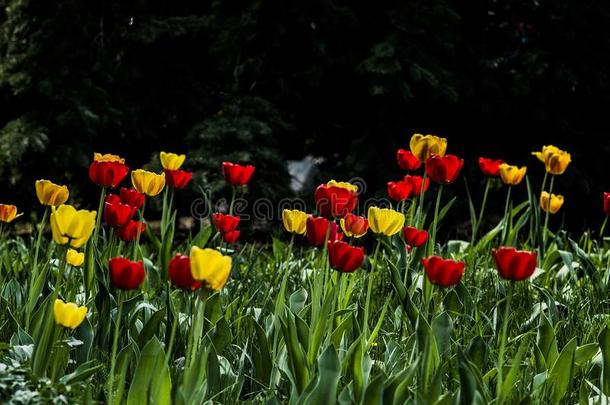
(420, 208)
(503, 338)
(432, 239)
(34, 272)
(480, 218)
(137, 242)
(115, 340)
(506, 215)
(231, 206)
(546, 218)
(98, 218)
(369, 288)
(170, 346)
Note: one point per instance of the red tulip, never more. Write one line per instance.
(514, 264)
(126, 274)
(225, 223)
(180, 273)
(237, 175)
(343, 257)
(116, 214)
(354, 225)
(129, 231)
(335, 201)
(443, 272)
(107, 174)
(407, 160)
(317, 228)
(444, 169)
(490, 167)
(177, 178)
(230, 237)
(131, 197)
(416, 184)
(399, 190)
(414, 237)
(607, 203)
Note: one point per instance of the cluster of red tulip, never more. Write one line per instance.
(336, 201)
(119, 211)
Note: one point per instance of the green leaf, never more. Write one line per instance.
(604, 344)
(151, 383)
(560, 377)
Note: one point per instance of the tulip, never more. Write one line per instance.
(126, 274)
(294, 221)
(131, 197)
(117, 214)
(179, 271)
(107, 170)
(52, 194)
(8, 213)
(414, 237)
(74, 258)
(555, 160)
(230, 237)
(68, 314)
(335, 199)
(354, 226)
(607, 204)
(423, 147)
(171, 161)
(490, 167)
(148, 183)
(129, 231)
(317, 229)
(70, 226)
(444, 169)
(210, 267)
(225, 223)
(407, 160)
(513, 264)
(399, 190)
(443, 272)
(385, 221)
(552, 206)
(177, 178)
(416, 184)
(512, 175)
(343, 257)
(237, 175)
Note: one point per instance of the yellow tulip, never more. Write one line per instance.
(555, 160)
(8, 213)
(424, 146)
(294, 221)
(74, 258)
(171, 161)
(385, 221)
(148, 183)
(554, 205)
(343, 184)
(68, 314)
(107, 157)
(512, 175)
(210, 267)
(49, 193)
(71, 226)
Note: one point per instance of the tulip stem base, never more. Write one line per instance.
(503, 338)
(115, 341)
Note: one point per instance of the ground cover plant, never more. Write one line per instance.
(351, 303)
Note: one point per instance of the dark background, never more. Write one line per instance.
(265, 81)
